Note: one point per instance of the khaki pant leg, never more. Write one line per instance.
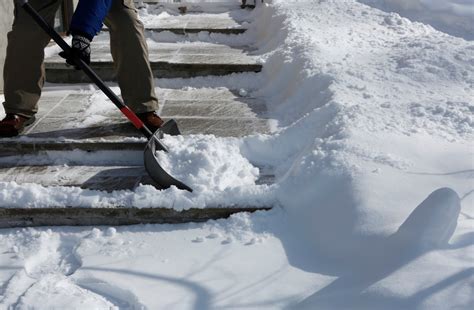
(24, 72)
(130, 54)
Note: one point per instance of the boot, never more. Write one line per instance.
(151, 120)
(154, 122)
(12, 125)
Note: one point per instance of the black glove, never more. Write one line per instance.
(81, 48)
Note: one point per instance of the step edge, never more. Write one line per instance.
(119, 216)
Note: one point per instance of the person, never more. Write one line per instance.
(24, 72)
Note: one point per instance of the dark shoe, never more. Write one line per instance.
(12, 125)
(151, 120)
(154, 122)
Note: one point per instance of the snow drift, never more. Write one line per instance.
(376, 119)
(349, 106)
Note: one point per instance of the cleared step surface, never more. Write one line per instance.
(194, 6)
(196, 29)
(65, 122)
(104, 178)
(168, 60)
(193, 23)
(25, 217)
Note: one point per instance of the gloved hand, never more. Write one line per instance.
(81, 48)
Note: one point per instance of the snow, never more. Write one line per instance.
(155, 266)
(359, 134)
(31, 195)
(207, 163)
(455, 17)
(373, 163)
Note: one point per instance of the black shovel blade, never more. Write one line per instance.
(153, 167)
(170, 128)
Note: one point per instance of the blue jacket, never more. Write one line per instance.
(89, 16)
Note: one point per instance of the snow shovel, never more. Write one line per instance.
(152, 166)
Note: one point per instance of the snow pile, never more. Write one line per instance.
(355, 109)
(207, 163)
(377, 115)
(455, 17)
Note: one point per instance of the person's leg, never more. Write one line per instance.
(24, 69)
(130, 54)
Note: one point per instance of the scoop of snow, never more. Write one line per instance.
(207, 163)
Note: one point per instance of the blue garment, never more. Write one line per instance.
(89, 16)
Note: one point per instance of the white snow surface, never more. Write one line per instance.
(374, 193)
(455, 17)
(207, 163)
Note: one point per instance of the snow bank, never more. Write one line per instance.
(455, 17)
(356, 102)
(374, 157)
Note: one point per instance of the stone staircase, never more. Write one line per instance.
(193, 22)
(170, 60)
(62, 127)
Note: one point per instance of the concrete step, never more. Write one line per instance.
(168, 60)
(98, 177)
(64, 121)
(30, 217)
(183, 31)
(224, 23)
(194, 6)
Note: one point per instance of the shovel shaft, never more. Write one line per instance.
(133, 118)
